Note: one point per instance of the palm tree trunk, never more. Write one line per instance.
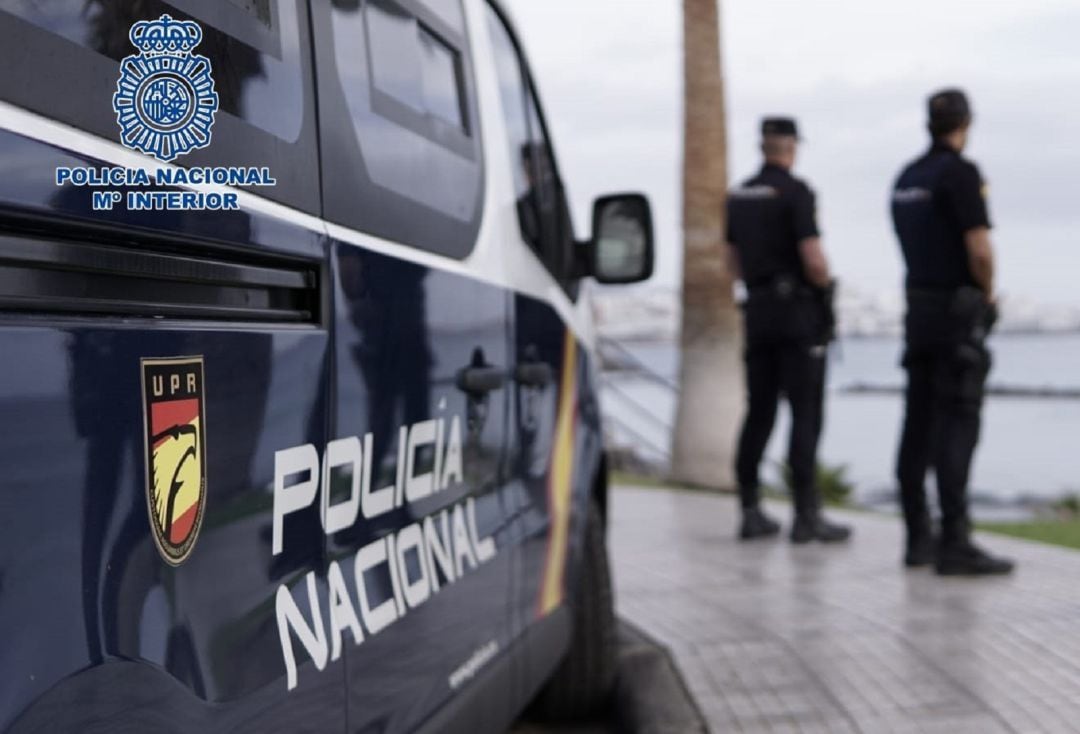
(711, 394)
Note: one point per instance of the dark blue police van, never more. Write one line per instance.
(299, 410)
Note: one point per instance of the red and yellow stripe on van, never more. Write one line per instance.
(560, 483)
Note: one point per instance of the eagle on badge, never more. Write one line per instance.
(175, 443)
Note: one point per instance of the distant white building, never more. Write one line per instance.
(652, 314)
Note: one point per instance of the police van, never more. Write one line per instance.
(300, 428)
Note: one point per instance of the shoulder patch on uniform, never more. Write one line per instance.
(759, 191)
(910, 195)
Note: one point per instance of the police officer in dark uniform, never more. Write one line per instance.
(939, 211)
(775, 247)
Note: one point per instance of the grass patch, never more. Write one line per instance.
(832, 482)
(1065, 533)
(652, 482)
(639, 480)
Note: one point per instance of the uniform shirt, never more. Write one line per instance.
(768, 215)
(938, 198)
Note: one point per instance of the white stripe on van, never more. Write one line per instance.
(499, 250)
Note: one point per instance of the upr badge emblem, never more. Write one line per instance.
(165, 100)
(175, 436)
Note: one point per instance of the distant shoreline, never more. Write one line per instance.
(663, 337)
(1009, 332)
(998, 391)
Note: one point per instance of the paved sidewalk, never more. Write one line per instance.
(781, 638)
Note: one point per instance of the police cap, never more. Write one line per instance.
(779, 126)
(948, 110)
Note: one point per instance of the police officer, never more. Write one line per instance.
(775, 248)
(939, 211)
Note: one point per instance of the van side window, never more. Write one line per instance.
(547, 191)
(541, 202)
(512, 94)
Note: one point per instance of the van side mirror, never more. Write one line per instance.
(621, 250)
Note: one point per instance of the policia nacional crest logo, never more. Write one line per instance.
(165, 100)
(175, 433)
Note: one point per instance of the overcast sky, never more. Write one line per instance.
(856, 74)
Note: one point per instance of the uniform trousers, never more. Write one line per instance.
(947, 372)
(782, 359)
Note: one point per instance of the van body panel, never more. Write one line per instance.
(348, 318)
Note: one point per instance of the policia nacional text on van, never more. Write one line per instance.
(775, 248)
(940, 213)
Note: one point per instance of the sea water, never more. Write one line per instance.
(1029, 448)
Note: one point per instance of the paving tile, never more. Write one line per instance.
(776, 638)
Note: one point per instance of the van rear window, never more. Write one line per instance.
(401, 154)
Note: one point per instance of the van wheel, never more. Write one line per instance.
(582, 684)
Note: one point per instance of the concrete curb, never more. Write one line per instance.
(651, 696)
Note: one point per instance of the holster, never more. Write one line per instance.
(974, 317)
(826, 299)
(787, 307)
(954, 324)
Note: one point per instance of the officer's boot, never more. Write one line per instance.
(756, 524)
(958, 556)
(810, 523)
(816, 527)
(922, 546)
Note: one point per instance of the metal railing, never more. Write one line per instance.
(640, 449)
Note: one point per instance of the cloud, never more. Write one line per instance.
(856, 74)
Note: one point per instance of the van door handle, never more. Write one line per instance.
(534, 374)
(480, 380)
